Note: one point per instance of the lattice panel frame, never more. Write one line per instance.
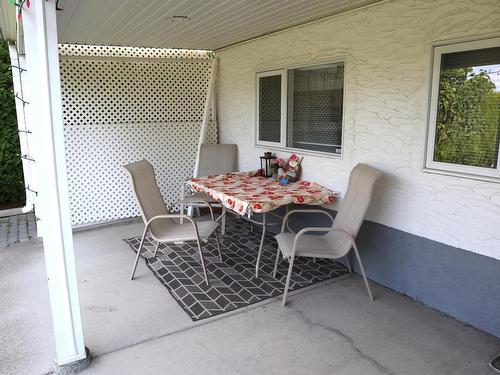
(122, 51)
(118, 109)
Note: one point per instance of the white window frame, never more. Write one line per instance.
(432, 166)
(284, 87)
(282, 145)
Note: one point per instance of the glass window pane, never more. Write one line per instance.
(315, 106)
(468, 116)
(270, 108)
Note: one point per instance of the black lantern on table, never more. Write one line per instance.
(265, 164)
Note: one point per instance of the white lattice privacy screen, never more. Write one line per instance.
(124, 104)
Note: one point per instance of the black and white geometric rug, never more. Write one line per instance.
(232, 282)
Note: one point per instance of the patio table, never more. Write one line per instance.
(246, 193)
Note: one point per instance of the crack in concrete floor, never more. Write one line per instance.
(302, 316)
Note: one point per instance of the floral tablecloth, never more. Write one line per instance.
(246, 193)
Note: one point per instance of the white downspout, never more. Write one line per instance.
(209, 101)
(209, 105)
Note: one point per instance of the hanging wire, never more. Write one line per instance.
(20, 5)
(21, 99)
(20, 96)
(18, 67)
(27, 157)
(27, 187)
(25, 130)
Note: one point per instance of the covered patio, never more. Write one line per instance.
(136, 327)
(346, 96)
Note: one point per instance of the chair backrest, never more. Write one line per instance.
(216, 159)
(352, 211)
(147, 193)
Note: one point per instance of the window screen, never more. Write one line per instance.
(315, 105)
(270, 108)
(468, 114)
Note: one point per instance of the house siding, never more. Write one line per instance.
(387, 48)
(433, 237)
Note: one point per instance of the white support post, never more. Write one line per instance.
(43, 92)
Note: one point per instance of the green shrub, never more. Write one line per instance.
(12, 191)
(468, 119)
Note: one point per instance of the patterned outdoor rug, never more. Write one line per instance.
(232, 282)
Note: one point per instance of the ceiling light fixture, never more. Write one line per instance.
(178, 19)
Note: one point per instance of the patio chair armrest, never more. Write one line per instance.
(169, 216)
(346, 234)
(303, 231)
(312, 210)
(198, 201)
(173, 216)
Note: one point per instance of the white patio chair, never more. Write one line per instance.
(214, 159)
(159, 222)
(339, 238)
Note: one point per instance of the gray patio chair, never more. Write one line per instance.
(159, 222)
(214, 159)
(339, 238)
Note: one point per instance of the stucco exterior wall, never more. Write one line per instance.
(388, 57)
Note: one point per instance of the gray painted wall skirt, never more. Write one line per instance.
(459, 283)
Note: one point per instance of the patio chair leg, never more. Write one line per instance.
(218, 245)
(138, 254)
(362, 269)
(156, 249)
(181, 206)
(181, 211)
(223, 221)
(348, 264)
(287, 284)
(276, 262)
(202, 259)
(261, 245)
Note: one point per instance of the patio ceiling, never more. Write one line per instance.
(193, 24)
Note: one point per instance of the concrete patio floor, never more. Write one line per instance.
(137, 327)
